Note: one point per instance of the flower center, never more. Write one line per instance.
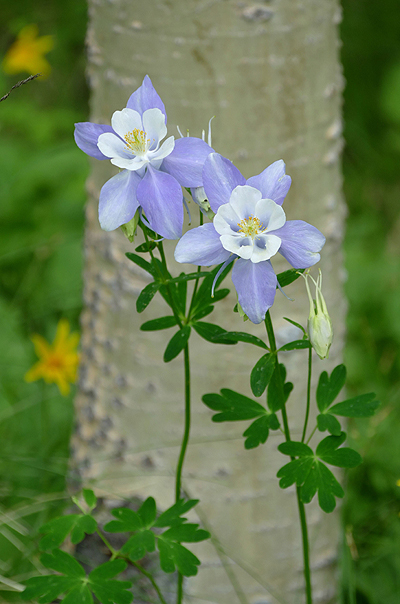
(55, 361)
(136, 142)
(251, 227)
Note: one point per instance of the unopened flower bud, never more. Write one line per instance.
(319, 324)
(199, 196)
(129, 229)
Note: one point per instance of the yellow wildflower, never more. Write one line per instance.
(27, 53)
(59, 361)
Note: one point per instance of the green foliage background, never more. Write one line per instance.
(42, 184)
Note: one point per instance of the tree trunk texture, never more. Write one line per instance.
(270, 74)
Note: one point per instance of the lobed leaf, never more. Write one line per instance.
(90, 498)
(257, 433)
(140, 543)
(364, 405)
(148, 512)
(329, 387)
(173, 515)
(127, 520)
(326, 421)
(175, 555)
(189, 533)
(276, 398)
(146, 266)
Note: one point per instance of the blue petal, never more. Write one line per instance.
(272, 182)
(160, 196)
(201, 246)
(256, 287)
(146, 97)
(220, 177)
(301, 243)
(86, 136)
(186, 161)
(118, 202)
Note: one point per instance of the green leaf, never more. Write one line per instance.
(261, 373)
(90, 498)
(233, 406)
(211, 332)
(56, 531)
(175, 555)
(63, 563)
(325, 421)
(206, 310)
(141, 262)
(329, 387)
(220, 294)
(345, 457)
(364, 405)
(296, 325)
(110, 591)
(140, 543)
(188, 277)
(147, 512)
(145, 247)
(85, 525)
(181, 290)
(173, 515)
(146, 295)
(160, 323)
(321, 480)
(127, 520)
(241, 336)
(257, 433)
(287, 277)
(189, 533)
(295, 345)
(295, 449)
(275, 397)
(177, 343)
(47, 588)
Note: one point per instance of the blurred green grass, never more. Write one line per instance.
(42, 184)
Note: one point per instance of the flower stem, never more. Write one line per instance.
(300, 504)
(308, 394)
(186, 433)
(116, 554)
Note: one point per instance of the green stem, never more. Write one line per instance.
(150, 578)
(186, 433)
(308, 394)
(312, 434)
(115, 553)
(300, 504)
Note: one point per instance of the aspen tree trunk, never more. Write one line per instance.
(270, 74)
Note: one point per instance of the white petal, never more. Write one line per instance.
(154, 126)
(243, 200)
(265, 246)
(166, 148)
(226, 220)
(112, 146)
(242, 246)
(126, 121)
(270, 214)
(133, 164)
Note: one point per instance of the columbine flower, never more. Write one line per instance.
(26, 53)
(153, 171)
(59, 361)
(250, 227)
(319, 324)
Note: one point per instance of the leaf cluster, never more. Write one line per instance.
(173, 555)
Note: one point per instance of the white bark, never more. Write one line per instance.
(269, 72)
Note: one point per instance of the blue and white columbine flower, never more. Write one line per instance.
(250, 227)
(153, 172)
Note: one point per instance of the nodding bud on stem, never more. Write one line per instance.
(319, 324)
(129, 229)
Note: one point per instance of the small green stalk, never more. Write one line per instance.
(300, 504)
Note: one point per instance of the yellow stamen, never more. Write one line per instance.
(136, 141)
(251, 226)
